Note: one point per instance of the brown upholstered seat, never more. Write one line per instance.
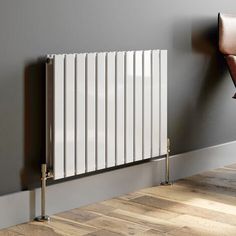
(231, 61)
(227, 41)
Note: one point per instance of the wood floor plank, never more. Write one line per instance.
(9, 232)
(57, 226)
(195, 199)
(153, 232)
(104, 232)
(220, 182)
(36, 230)
(117, 225)
(182, 208)
(226, 175)
(98, 208)
(195, 191)
(186, 231)
(204, 186)
(131, 195)
(162, 226)
(202, 226)
(121, 204)
(79, 215)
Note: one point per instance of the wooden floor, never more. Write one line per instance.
(204, 204)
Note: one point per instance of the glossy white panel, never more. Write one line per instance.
(69, 115)
(138, 119)
(147, 102)
(138, 115)
(58, 164)
(155, 103)
(110, 109)
(120, 121)
(101, 102)
(80, 113)
(163, 70)
(129, 107)
(91, 105)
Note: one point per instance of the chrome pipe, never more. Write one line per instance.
(43, 217)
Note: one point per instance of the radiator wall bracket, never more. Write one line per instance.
(45, 174)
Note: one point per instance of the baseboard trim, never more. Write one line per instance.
(23, 206)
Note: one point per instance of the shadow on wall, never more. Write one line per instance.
(34, 123)
(200, 46)
(205, 41)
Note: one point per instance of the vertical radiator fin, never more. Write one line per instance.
(163, 97)
(69, 115)
(147, 104)
(129, 112)
(120, 121)
(91, 118)
(101, 111)
(111, 91)
(155, 103)
(80, 113)
(58, 164)
(138, 106)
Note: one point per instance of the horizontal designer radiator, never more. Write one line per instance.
(105, 110)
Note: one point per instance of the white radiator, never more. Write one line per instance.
(105, 110)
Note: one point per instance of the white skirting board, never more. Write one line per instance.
(21, 207)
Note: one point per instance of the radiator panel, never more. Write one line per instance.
(163, 97)
(129, 107)
(138, 106)
(111, 110)
(69, 115)
(58, 134)
(120, 106)
(156, 103)
(91, 106)
(147, 102)
(108, 109)
(101, 111)
(80, 113)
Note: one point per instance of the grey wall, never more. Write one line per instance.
(201, 111)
